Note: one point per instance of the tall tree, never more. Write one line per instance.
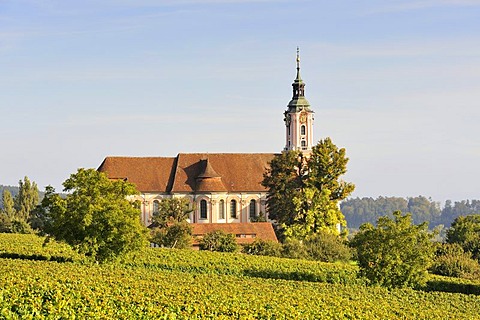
(303, 192)
(325, 166)
(8, 204)
(26, 199)
(96, 218)
(283, 179)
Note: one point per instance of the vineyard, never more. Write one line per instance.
(52, 282)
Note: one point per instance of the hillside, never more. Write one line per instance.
(183, 284)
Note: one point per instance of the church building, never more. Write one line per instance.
(225, 188)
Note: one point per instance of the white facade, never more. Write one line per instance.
(217, 208)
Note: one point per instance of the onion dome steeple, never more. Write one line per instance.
(299, 117)
(298, 101)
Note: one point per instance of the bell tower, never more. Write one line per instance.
(299, 117)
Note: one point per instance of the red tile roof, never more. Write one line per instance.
(251, 231)
(237, 172)
(149, 174)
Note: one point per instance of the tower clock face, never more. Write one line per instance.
(303, 117)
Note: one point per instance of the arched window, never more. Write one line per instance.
(221, 210)
(304, 145)
(302, 130)
(233, 209)
(203, 209)
(253, 209)
(156, 205)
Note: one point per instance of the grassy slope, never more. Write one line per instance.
(176, 284)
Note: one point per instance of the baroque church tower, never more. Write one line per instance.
(299, 117)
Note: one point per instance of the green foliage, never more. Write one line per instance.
(327, 247)
(176, 235)
(11, 220)
(13, 190)
(395, 253)
(455, 285)
(218, 240)
(316, 213)
(325, 166)
(294, 249)
(263, 248)
(8, 204)
(171, 229)
(465, 231)
(303, 192)
(19, 225)
(34, 247)
(200, 285)
(450, 260)
(95, 217)
(172, 210)
(27, 198)
(283, 181)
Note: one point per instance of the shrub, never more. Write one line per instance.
(219, 240)
(177, 235)
(465, 231)
(452, 261)
(395, 253)
(263, 248)
(327, 247)
(294, 249)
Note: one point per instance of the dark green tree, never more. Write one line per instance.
(396, 253)
(327, 163)
(465, 231)
(303, 192)
(283, 179)
(95, 218)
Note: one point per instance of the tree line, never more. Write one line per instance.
(367, 210)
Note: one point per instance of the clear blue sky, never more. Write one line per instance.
(397, 83)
